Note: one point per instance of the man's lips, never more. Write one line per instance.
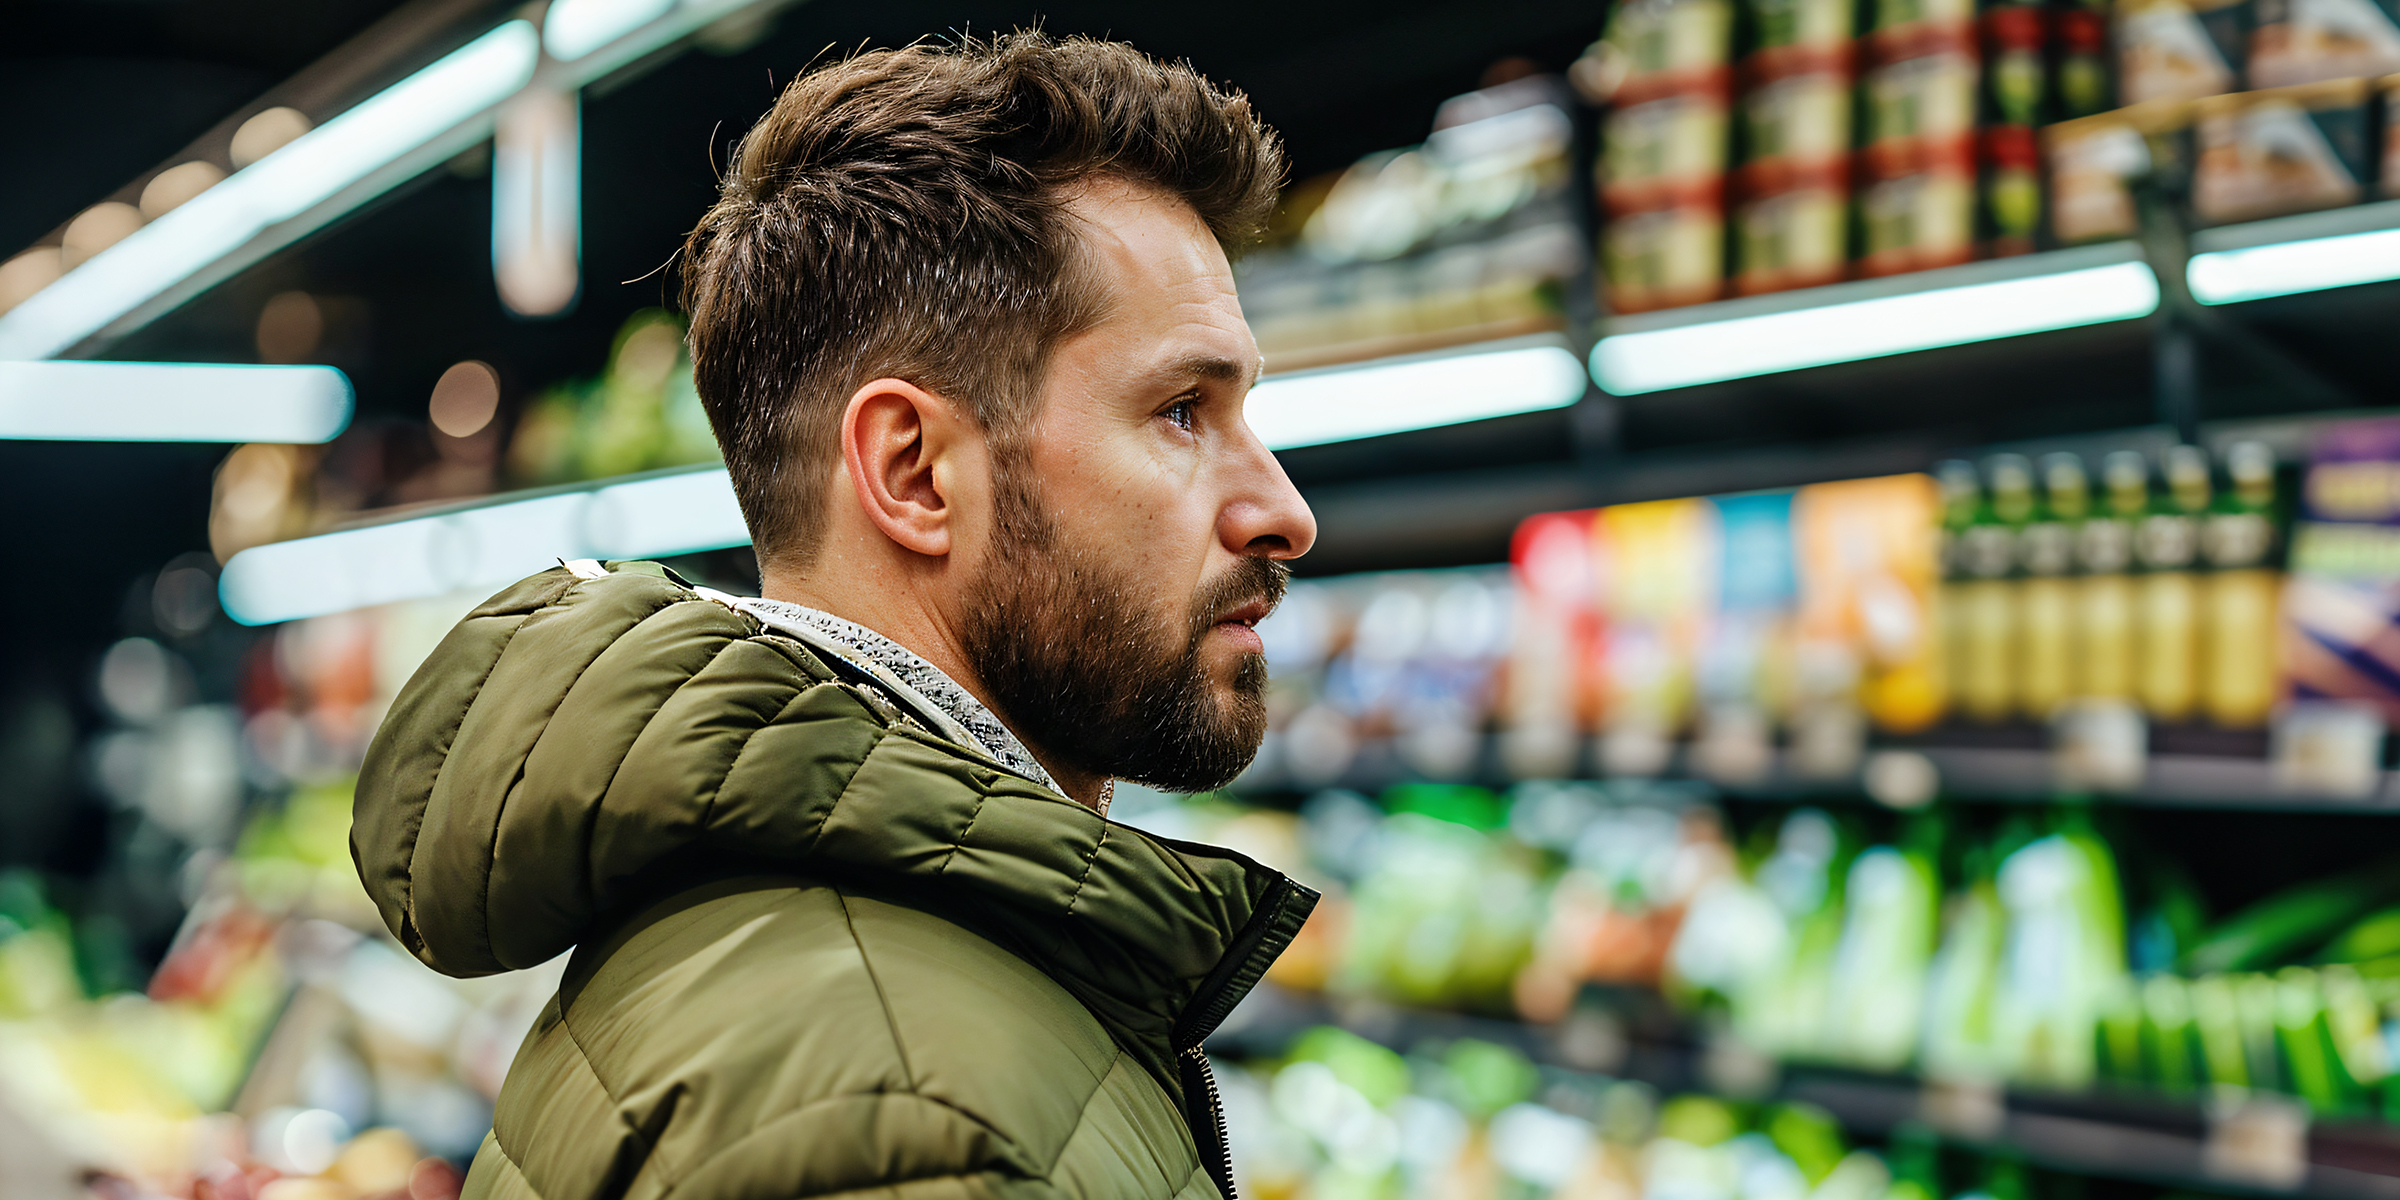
(1248, 615)
(1239, 623)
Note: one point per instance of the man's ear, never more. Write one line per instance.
(902, 446)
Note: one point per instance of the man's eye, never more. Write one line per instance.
(1185, 414)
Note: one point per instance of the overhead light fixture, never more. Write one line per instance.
(537, 206)
(1675, 352)
(276, 199)
(171, 402)
(2289, 268)
(482, 545)
(575, 28)
(1341, 404)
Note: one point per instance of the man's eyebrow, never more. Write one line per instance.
(1210, 366)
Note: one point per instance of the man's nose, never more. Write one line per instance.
(1265, 515)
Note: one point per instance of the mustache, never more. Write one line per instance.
(1248, 580)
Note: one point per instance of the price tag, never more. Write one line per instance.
(1972, 1109)
(2329, 747)
(2258, 1140)
(2099, 745)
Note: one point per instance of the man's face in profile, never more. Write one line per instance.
(1138, 528)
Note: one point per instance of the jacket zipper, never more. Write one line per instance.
(1219, 1162)
(1208, 1008)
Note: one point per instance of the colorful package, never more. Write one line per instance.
(2166, 50)
(1917, 205)
(1658, 577)
(1674, 45)
(2012, 190)
(1791, 197)
(2093, 163)
(1867, 550)
(1664, 154)
(1757, 586)
(1551, 695)
(2390, 174)
(2261, 154)
(1664, 257)
(1792, 225)
(2307, 41)
(2016, 64)
(2082, 76)
(2341, 604)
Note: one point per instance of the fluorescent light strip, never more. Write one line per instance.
(314, 169)
(171, 402)
(484, 545)
(1629, 364)
(574, 28)
(1345, 403)
(2289, 268)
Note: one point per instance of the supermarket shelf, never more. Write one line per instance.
(1966, 772)
(1873, 318)
(2260, 1147)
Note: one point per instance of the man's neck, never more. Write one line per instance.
(905, 620)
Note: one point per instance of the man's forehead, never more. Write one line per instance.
(1165, 277)
(1135, 234)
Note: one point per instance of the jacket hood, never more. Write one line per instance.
(575, 741)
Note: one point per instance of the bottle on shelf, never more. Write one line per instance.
(2166, 545)
(1962, 495)
(1989, 672)
(2045, 596)
(2104, 594)
(2239, 613)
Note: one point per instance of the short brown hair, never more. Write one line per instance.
(899, 213)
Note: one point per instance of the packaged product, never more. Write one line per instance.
(1792, 225)
(2260, 154)
(2106, 653)
(1791, 196)
(1917, 204)
(2080, 39)
(1930, 95)
(2237, 539)
(2305, 41)
(1743, 662)
(1803, 117)
(2093, 164)
(2012, 190)
(2045, 594)
(2179, 49)
(1868, 567)
(1658, 145)
(1664, 257)
(2015, 63)
(2166, 544)
(1793, 37)
(1897, 27)
(1659, 570)
(1550, 696)
(2390, 173)
(2341, 603)
(1662, 186)
(1678, 45)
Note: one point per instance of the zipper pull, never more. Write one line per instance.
(1207, 1121)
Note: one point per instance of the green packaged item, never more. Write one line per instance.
(2169, 1035)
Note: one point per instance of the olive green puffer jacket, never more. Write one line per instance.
(818, 950)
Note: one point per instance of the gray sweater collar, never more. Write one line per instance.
(950, 709)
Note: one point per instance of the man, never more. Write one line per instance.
(847, 914)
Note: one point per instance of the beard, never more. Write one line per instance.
(1102, 676)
